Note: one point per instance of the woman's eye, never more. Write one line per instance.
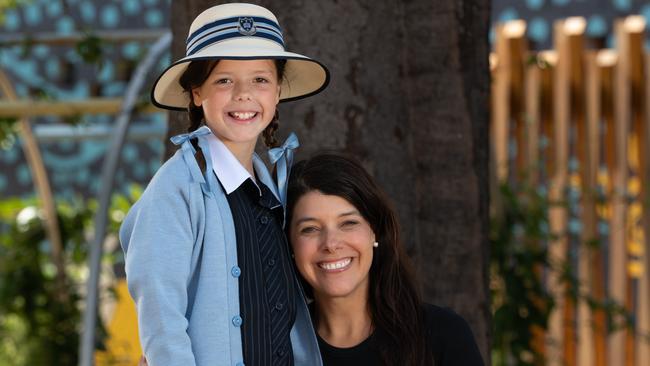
(261, 80)
(349, 223)
(223, 81)
(308, 230)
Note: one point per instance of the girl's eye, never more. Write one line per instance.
(223, 81)
(261, 80)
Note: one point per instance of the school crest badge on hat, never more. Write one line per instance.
(246, 26)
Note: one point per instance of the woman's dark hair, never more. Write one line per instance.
(395, 304)
(196, 74)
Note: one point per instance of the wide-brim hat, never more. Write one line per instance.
(239, 31)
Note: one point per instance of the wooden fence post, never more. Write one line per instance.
(617, 252)
(561, 341)
(643, 342)
(589, 150)
(607, 60)
(635, 26)
(500, 121)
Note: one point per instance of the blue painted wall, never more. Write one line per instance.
(57, 72)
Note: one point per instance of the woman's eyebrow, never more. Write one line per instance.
(344, 214)
(304, 219)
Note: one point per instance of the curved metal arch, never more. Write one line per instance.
(87, 344)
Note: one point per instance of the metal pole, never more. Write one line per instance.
(87, 345)
(113, 36)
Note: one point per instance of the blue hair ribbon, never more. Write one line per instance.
(283, 158)
(188, 153)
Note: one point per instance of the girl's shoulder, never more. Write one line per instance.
(174, 170)
(176, 174)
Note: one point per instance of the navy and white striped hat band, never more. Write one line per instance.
(223, 29)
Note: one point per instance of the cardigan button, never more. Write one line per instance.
(264, 220)
(235, 271)
(237, 320)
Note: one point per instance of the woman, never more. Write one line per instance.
(207, 262)
(366, 308)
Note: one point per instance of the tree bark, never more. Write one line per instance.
(181, 15)
(409, 97)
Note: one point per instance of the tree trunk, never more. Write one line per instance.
(409, 97)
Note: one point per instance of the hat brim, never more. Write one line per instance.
(303, 76)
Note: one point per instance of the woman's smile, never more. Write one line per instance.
(336, 266)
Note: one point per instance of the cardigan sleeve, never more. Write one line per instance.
(158, 240)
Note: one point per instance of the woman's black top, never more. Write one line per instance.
(450, 338)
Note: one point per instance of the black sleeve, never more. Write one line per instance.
(451, 338)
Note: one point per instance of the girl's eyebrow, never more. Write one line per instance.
(252, 72)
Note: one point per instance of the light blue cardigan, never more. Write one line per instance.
(181, 267)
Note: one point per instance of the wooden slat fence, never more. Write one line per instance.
(579, 122)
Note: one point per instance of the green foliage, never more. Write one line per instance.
(90, 49)
(7, 132)
(521, 304)
(38, 326)
(518, 255)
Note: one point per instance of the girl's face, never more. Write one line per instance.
(332, 245)
(239, 99)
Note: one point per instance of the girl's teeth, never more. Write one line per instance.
(243, 115)
(336, 265)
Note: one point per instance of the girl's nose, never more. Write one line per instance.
(242, 92)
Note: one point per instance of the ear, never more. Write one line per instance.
(277, 99)
(196, 97)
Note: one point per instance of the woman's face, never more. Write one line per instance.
(239, 99)
(332, 244)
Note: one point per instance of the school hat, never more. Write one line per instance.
(239, 31)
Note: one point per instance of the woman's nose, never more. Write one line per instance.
(331, 241)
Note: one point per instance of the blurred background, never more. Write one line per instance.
(568, 280)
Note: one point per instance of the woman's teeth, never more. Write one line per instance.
(335, 265)
(242, 115)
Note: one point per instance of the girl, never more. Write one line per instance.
(366, 309)
(207, 261)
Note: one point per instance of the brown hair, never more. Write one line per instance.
(394, 302)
